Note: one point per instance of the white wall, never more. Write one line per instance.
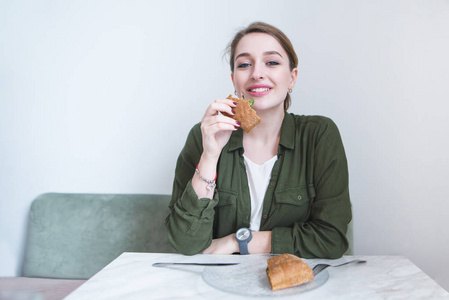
(85, 87)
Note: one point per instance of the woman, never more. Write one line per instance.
(286, 180)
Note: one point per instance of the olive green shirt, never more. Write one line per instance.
(306, 205)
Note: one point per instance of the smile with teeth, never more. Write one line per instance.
(258, 90)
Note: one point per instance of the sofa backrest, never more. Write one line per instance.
(74, 236)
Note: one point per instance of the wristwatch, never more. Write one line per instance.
(243, 237)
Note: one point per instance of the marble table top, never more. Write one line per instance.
(132, 276)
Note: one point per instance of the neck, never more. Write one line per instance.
(262, 143)
(270, 125)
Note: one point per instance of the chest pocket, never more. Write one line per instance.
(225, 218)
(293, 205)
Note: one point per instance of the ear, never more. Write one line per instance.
(294, 75)
(232, 78)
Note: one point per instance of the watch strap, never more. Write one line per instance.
(243, 247)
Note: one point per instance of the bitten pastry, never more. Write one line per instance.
(244, 114)
(287, 270)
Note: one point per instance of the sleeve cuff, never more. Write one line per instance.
(203, 207)
(282, 240)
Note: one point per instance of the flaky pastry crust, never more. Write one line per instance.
(287, 270)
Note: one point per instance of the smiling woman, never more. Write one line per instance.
(260, 72)
(274, 32)
(284, 183)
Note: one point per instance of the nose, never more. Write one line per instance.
(258, 72)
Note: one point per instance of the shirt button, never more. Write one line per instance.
(265, 216)
(272, 183)
(299, 197)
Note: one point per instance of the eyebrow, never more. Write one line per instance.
(265, 53)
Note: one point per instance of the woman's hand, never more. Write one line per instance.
(216, 129)
(224, 245)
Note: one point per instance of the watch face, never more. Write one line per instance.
(243, 234)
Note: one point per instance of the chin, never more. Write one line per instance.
(262, 107)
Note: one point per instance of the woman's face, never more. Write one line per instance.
(262, 71)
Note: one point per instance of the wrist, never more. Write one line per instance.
(261, 242)
(207, 167)
(209, 158)
(210, 182)
(243, 237)
(203, 181)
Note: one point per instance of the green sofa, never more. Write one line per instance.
(71, 237)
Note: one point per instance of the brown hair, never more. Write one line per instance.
(274, 32)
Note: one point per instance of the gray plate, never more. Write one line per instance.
(250, 279)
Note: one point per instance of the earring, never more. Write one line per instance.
(235, 93)
(290, 91)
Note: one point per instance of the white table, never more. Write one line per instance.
(132, 276)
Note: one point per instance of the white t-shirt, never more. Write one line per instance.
(258, 180)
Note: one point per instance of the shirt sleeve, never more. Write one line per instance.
(324, 233)
(190, 222)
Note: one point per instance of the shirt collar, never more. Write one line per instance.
(287, 135)
(288, 131)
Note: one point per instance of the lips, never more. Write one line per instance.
(259, 90)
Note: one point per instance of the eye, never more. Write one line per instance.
(244, 65)
(272, 63)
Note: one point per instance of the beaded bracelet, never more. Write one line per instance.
(210, 183)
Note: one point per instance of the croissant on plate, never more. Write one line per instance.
(287, 270)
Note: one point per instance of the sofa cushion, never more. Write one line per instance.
(74, 236)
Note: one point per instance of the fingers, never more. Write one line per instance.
(219, 119)
(217, 128)
(215, 124)
(213, 121)
(221, 105)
